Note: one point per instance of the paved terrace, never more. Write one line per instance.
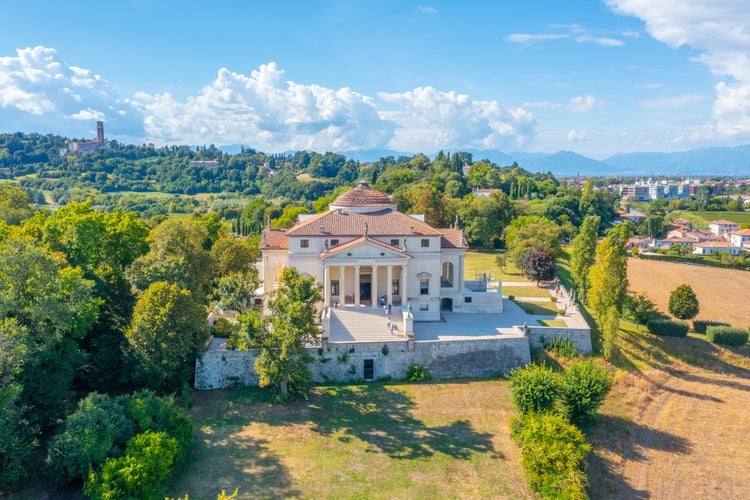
(365, 324)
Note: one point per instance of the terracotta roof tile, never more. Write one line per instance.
(452, 238)
(274, 239)
(345, 223)
(363, 196)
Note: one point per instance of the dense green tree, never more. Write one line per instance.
(176, 255)
(282, 361)
(289, 216)
(529, 231)
(166, 333)
(683, 303)
(639, 308)
(582, 250)
(484, 219)
(15, 204)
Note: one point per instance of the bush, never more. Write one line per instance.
(140, 473)
(98, 429)
(222, 328)
(726, 335)
(417, 373)
(534, 388)
(669, 328)
(552, 455)
(700, 325)
(562, 346)
(586, 385)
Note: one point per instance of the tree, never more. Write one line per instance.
(539, 264)
(15, 204)
(282, 361)
(165, 335)
(640, 308)
(485, 218)
(582, 252)
(529, 231)
(608, 276)
(683, 303)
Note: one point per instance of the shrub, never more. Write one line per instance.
(98, 429)
(534, 388)
(669, 328)
(552, 455)
(150, 412)
(586, 385)
(139, 473)
(683, 303)
(222, 328)
(417, 373)
(700, 325)
(726, 335)
(562, 346)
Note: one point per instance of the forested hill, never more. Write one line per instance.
(36, 163)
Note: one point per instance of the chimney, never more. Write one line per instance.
(411, 230)
(100, 132)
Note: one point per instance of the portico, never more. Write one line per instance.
(356, 284)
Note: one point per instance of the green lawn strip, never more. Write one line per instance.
(539, 308)
(556, 323)
(380, 440)
(526, 291)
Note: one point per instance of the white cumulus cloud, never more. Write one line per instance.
(580, 104)
(267, 111)
(429, 119)
(40, 92)
(721, 31)
(577, 135)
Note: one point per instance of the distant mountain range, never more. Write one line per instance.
(706, 162)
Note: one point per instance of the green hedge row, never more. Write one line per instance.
(668, 328)
(726, 335)
(700, 325)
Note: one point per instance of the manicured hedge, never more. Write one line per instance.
(700, 325)
(726, 335)
(668, 328)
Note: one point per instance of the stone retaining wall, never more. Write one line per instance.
(345, 362)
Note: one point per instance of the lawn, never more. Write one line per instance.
(539, 308)
(526, 291)
(703, 218)
(479, 262)
(379, 440)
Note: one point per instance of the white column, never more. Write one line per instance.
(326, 285)
(342, 290)
(405, 285)
(460, 273)
(356, 286)
(374, 287)
(389, 284)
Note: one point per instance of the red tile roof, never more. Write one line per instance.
(274, 239)
(363, 196)
(345, 223)
(452, 238)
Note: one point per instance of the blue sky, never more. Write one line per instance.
(595, 77)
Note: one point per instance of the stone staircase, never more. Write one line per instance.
(363, 325)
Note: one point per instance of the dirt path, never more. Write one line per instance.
(692, 440)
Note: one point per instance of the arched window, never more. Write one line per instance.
(446, 275)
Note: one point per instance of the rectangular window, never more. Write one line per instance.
(334, 287)
(304, 243)
(424, 286)
(425, 242)
(424, 307)
(394, 243)
(467, 300)
(369, 369)
(394, 287)
(334, 243)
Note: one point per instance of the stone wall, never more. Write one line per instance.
(581, 336)
(344, 362)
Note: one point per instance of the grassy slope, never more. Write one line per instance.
(380, 440)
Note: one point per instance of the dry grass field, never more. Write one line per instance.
(723, 294)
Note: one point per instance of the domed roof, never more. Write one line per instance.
(363, 199)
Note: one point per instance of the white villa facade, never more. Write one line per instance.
(365, 253)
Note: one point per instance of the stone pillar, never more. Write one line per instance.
(460, 273)
(374, 287)
(356, 286)
(326, 285)
(342, 288)
(405, 284)
(389, 284)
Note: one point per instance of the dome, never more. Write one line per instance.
(363, 199)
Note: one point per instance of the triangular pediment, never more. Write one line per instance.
(365, 248)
